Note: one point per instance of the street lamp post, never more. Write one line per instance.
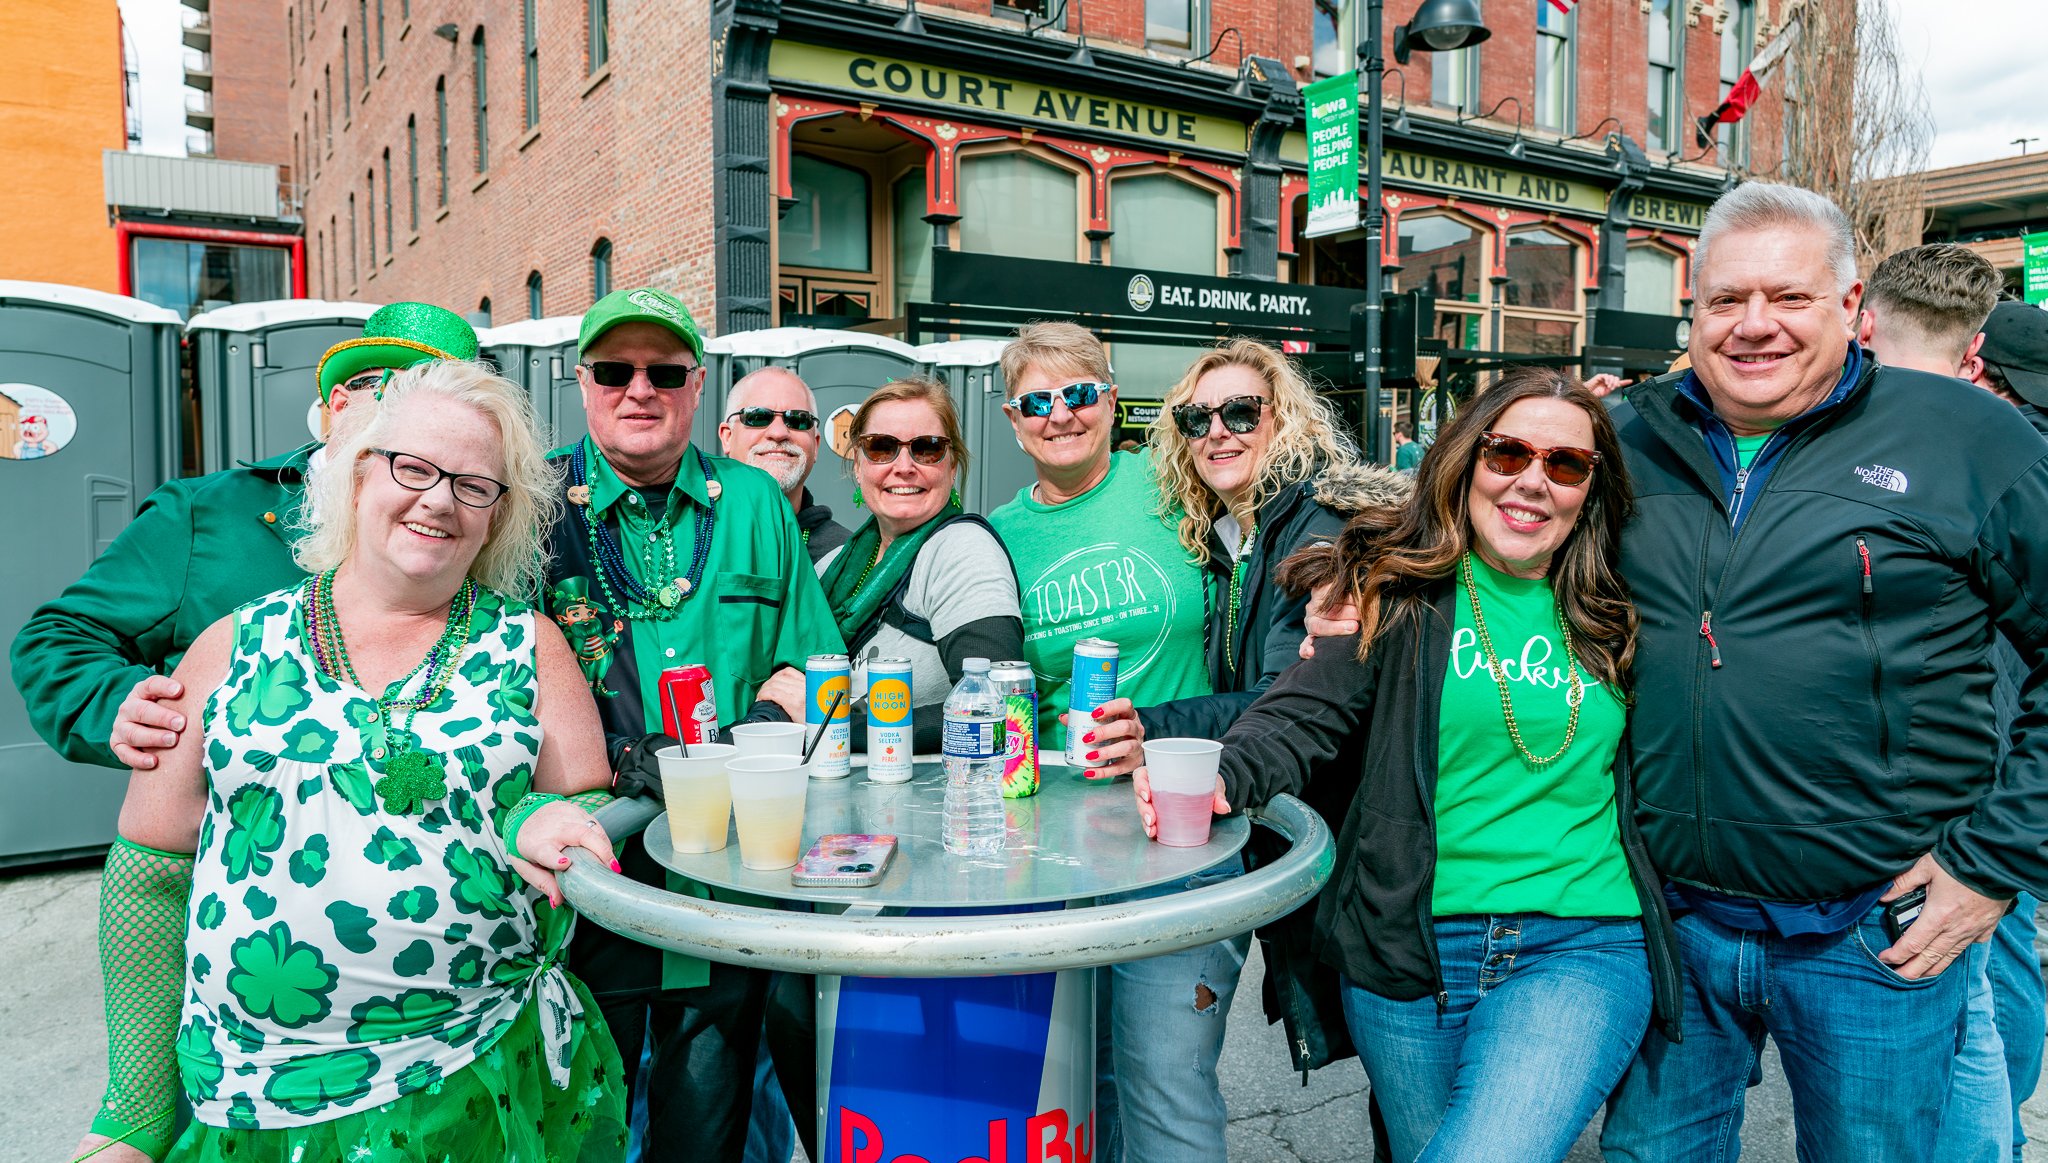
(1437, 26)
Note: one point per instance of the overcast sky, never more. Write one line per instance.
(1985, 73)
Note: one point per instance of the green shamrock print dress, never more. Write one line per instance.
(370, 979)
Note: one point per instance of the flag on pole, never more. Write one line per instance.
(1748, 87)
(1564, 6)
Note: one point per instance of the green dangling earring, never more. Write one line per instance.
(857, 502)
(955, 502)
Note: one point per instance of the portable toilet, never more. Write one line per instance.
(540, 355)
(840, 367)
(258, 397)
(973, 369)
(88, 427)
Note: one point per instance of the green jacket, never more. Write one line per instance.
(197, 549)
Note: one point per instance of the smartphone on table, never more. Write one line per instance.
(844, 860)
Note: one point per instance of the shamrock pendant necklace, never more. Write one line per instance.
(412, 775)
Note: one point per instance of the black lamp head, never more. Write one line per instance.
(1440, 26)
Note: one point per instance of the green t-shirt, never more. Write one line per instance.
(1513, 837)
(1104, 565)
(1408, 457)
(1746, 447)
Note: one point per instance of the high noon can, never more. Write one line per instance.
(889, 745)
(1093, 684)
(1019, 688)
(826, 676)
(689, 704)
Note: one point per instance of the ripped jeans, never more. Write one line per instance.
(1158, 1033)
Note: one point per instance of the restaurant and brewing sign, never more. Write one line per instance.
(1332, 155)
(1072, 288)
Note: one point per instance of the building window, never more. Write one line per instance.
(480, 64)
(1160, 223)
(380, 30)
(363, 23)
(599, 14)
(405, 11)
(533, 295)
(1738, 46)
(826, 226)
(441, 133)
(291, 33)
(1454, 79)
(348, 94)
(327, 72)
(370, 211)
(355, 271)
(1667, 110)
(532, 66)
(190, 277)
(320, 255)
(1446, 258)
(912, 239)
(412, 172)
(1176, 24)
(1039, 13)
(482, 318)
(1650, 284)
(390, 219)
(1543, 276)
(600, 269)
(1554, 31)
(1019, 205)
(333, 261)
(1335, 46)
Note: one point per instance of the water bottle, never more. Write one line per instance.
(974, 764)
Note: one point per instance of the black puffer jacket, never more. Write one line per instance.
(1364, 734)
(1837, 725)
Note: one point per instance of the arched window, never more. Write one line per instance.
(1446, 257)
(370, 210)
(412, 172)
(380, 29)
(482, 318)
(480, 63)
(363, 23)
(1651, 284)
(533, 299)
(532, 54)
(441, 132)
(1160, 222)
(1016, 204)
(598, 13)
(348, 101)
(1542, 293)
(355, 272)
(390, 225)
(826, 226)
(600, 269)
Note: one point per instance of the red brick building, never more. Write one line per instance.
(773, 160)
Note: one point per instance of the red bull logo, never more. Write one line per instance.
(1050, 1137)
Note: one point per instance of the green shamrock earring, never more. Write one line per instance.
(857, 502)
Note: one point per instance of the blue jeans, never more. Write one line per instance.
(1976, 1124)
(2020, 999)
(1867, 1052)
(771, 1135)
(1544, 1014)
(1159, 1031)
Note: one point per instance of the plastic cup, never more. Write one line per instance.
(768, 738)
(768, 808)
(1183, 774)
(698, 794)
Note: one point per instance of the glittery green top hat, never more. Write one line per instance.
(397, 336)
(641, 305)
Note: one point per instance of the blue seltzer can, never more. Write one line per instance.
(889, 744)
(1093, 684)
(1019, 688)
(827, 675)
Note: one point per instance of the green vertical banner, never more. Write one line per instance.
(1332, 155)
(2034, 274)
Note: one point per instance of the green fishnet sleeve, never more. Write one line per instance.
(593, 799)
(143, 896)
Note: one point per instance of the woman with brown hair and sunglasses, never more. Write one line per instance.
(1494, 915)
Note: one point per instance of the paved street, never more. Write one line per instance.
(50, 1028)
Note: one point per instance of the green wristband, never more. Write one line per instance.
(534, 802)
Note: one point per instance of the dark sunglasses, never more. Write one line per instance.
(612, 373)
(419, 475)
(1039, 403)
(1509, 455)
(364, 381)
(795, 419)
(1240, 415)
(881, 449)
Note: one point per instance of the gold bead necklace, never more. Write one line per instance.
(1575, 693)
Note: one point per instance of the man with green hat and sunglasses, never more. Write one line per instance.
(94, 663)
(665, 556)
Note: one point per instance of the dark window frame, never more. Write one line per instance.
(441, 132)
(597, 34)
(412, 167)
(600, 269)
(531, 52)
(535, 297)
(480, 92)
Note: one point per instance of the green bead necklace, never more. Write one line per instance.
(412, 776)
(1244, 552)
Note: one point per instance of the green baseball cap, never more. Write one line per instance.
(640, 305)
(397, 336)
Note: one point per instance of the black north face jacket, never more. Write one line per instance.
(1813, 690)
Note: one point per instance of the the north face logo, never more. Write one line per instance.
(1884, 478)
(649, 301)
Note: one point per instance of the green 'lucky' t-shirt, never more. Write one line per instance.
(1513, 837)
(1105, 565)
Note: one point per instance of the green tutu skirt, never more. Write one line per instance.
(501, 1107)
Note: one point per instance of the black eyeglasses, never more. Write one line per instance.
(795, 419)
(1240, 415)
(364, 381)
(419, 475)
(881, 449)
(1510, 455)
(612, 373)
(1077, 396)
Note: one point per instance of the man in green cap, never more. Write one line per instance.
(94, 663)
(663, 557)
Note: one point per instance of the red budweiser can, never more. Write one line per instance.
(689, 705)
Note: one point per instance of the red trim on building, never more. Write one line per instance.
(125, 232)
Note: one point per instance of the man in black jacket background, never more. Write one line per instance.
(1823, 551)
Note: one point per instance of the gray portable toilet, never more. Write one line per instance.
(254, 363)
(841, 367)
(88, 426)
(973, 369)
(540, 355)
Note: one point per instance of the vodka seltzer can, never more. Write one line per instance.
(689, 704)
(1019, 688)
(827, 675)
(1093, 684)
(889, 745)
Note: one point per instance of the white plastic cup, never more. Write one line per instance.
(768, 738)
(698, 794)
(1183, 774)
(768, 808)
